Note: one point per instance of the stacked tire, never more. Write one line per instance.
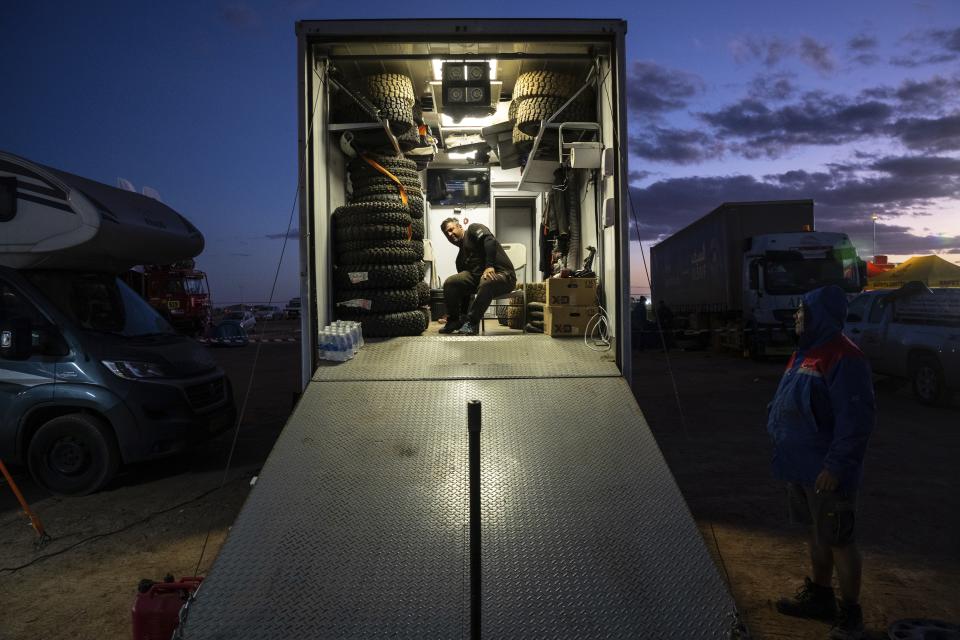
(391, 93)
(378, 249)
(537, 95)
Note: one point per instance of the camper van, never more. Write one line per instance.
(358, 525)
(91, 376)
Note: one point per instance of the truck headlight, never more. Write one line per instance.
(132, 370)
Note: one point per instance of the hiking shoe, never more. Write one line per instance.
(811, 601)
(451, 326)
(849, 623)
(468, 329)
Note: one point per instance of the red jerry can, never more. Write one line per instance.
(156, 609)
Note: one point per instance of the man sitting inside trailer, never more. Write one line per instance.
(483, 268)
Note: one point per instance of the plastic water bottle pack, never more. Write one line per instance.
(340, 341)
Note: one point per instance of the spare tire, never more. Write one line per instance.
(394, 86)
(533, 110)
(381, 255)
(388, 161)
(358, 245)
(377, 276)
(372, 213)
(370, 232)
(367, 301)
(378, 325)
(423, 294)
(414, 206)
(545, 83)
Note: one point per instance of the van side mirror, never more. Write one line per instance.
(16, 341)
(852, 317)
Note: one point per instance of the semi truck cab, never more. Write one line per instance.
(778, 269)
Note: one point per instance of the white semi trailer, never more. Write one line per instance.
(367, 520)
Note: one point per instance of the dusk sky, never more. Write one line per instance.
(854, 104)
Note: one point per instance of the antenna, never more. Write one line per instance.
(150, 192)
(125, 184)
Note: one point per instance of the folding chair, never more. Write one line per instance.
(517, 253)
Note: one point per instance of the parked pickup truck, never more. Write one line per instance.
(912, 332)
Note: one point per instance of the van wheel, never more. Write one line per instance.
(928, 384)
(73, 455)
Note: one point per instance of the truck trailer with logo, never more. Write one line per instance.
(377, 514)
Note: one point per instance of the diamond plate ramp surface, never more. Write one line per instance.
(358, 525)
(472, 358)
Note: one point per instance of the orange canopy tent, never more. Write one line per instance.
(931, 270)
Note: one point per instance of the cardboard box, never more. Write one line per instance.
(576, 292)
(566, 320)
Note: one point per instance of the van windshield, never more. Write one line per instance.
(100, 302)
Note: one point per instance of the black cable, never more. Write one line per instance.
(125, 527)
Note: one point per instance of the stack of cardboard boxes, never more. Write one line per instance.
(571, 302)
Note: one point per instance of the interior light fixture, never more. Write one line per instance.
(437, 64)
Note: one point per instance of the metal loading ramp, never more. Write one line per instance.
(358, 526)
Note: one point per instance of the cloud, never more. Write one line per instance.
(638, 176)
(652, 88)
(816, 119)
(935, 46)
(862, 42)
(862, 49)
(927, 96)
(816, 55)
(949, 39)
(906, 185)
(293, 233)
(937, 134)
(675, 145)
(769, 51)
(239, 15)
(772, 86)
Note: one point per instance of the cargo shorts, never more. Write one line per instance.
(831, 514)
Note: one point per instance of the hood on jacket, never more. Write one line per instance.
(824, 311)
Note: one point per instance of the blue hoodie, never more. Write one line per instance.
(823, 412)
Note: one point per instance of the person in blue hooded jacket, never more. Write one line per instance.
(820, 421)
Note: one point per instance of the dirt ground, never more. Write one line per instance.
(908, 519)
(155, 517)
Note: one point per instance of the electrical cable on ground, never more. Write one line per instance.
(256, 355)
(125, 527)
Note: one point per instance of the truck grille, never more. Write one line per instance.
(206, 394)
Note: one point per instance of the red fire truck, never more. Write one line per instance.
(179, 291)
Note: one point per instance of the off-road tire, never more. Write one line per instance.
(362, 213)
(388, 161)
(423, 294)
(370, 301)
(407, 177)
(414, 206)
(388, 189)
(359, 245)
(382, 325)
(394, 86)
(545, 84)
(396, 111)
(416, 230)
(373, 232)
(532, 111)
(381, 255)
(73, 455)
(350, 277)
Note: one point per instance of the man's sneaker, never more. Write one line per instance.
(451, 326)
(468, 329)
(849, 624)
(811, 601)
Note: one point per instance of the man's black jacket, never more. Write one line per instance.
(480, 250)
